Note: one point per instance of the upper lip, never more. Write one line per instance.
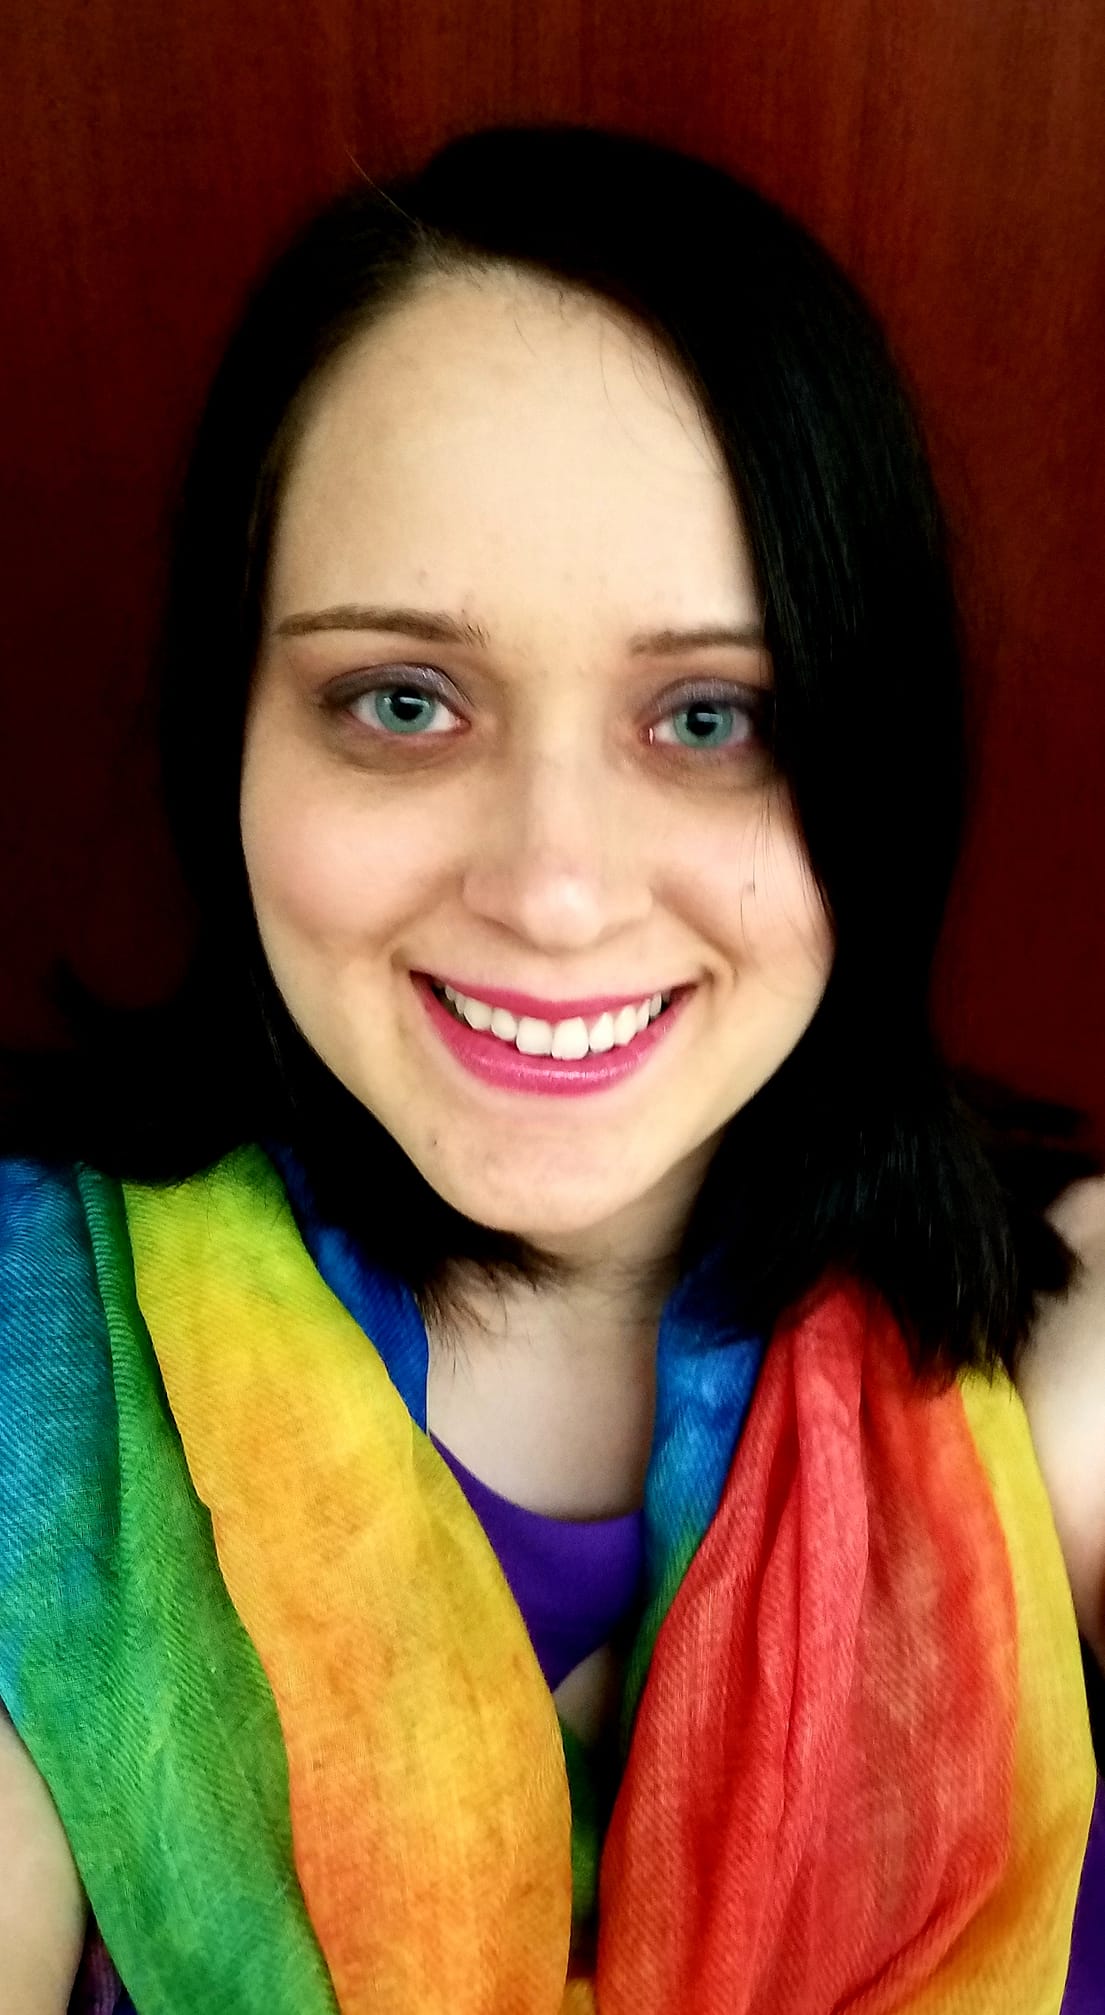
(545, 1010)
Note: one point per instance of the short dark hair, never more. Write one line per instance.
(859, 1154)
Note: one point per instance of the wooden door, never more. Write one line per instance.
(952, 154)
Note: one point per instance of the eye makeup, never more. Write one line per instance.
(748, 708)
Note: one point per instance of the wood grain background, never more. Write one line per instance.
(950, 152)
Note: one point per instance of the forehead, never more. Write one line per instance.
(507, 441)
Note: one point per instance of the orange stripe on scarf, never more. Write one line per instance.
(429, 1799)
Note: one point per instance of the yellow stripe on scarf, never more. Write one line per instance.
(429, 1798)
(1009, 1956)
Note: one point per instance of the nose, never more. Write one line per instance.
(560, 861)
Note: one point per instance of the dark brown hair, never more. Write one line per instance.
(859, 1154)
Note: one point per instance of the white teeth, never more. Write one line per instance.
(602, 1033)
(566, 1040)
(534, 1038)
(570, 1038)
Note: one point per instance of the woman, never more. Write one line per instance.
(422, 1587)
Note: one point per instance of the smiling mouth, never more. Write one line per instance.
(569, 1040)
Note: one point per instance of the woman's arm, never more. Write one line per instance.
(1062, 1382)
(42, 1904)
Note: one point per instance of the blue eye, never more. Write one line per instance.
(405, 710)
(708, 724)
(705, 726)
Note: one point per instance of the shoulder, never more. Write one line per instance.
(42, 1904)
(1062, 1382)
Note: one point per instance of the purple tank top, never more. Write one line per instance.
(574, 1580)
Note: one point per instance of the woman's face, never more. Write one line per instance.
(503, 737)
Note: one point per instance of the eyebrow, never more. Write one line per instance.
(435, 626)
(427, 623)
(662, 643)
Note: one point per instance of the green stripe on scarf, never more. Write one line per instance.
(139, 1695)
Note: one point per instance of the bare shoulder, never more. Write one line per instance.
(42, 1904)
(1062, 1383)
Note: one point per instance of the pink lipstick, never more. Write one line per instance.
(550, 1011)
(499, 1063)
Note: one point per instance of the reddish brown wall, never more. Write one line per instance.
(951, 152)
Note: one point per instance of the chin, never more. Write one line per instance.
(551, 1230)
(561, 1219)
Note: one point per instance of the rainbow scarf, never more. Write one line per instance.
(260, 1649)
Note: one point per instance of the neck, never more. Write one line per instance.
(609, 1281)
(587, 1314)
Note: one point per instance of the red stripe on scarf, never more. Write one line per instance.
(822, 1766)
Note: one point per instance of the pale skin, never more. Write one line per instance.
(1062, 1382)
(522, 463)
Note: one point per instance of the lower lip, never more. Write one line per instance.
(499, 1063)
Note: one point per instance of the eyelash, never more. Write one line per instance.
(754, 703)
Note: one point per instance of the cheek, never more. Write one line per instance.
(756, 901)
(786, 934)
(331, 872)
